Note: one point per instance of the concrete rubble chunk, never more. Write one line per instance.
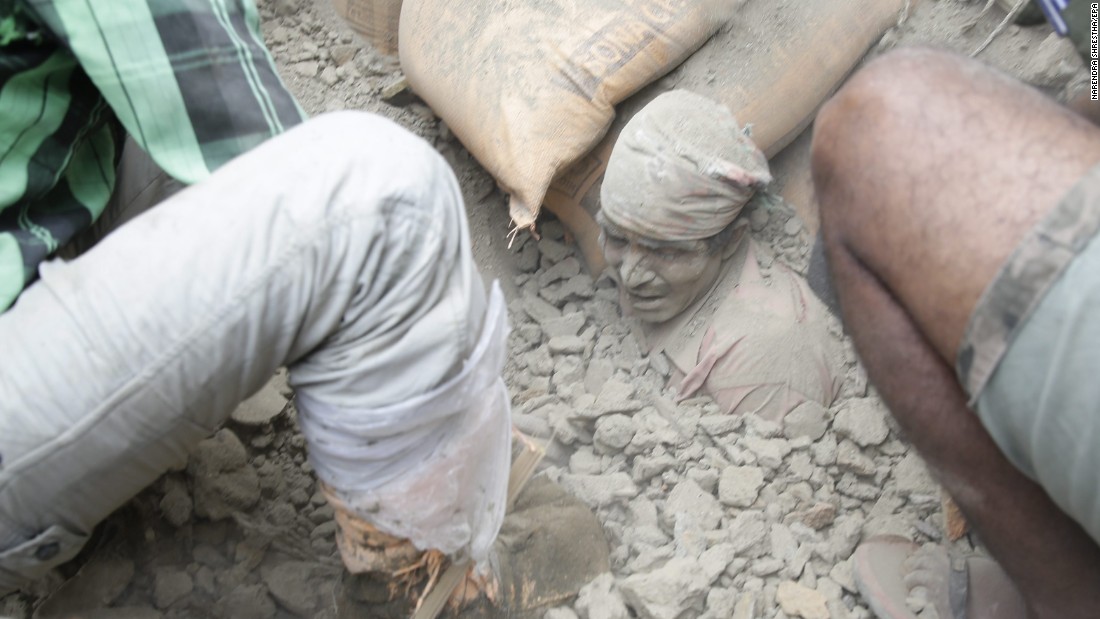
(170, 585)
(600, 599)
(808, 419)
(862, 420)
(265, 405)
(565, 345)
(553, 250)
(716, 559)
(614, 432)
(293, 587)
(769, 452)
(912, 477)
(740, 485)
(600, 490)
(746, 606)
(670, 592)
(688, 498)
(719, 425)
(748, 533)
(819, 516)
(850, 458)
(800, 601)
(540, 311)
(563, 270)
(566, 325)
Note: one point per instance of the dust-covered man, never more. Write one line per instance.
(753, 337)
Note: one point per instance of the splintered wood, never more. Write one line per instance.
(523, 468)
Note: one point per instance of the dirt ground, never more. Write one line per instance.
(707, 515)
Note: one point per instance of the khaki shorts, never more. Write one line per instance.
(1030, 359)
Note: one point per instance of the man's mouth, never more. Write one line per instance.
(643, 299)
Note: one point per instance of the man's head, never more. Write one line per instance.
(660, 279)
(679, 175)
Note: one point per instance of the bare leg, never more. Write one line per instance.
(930, 169)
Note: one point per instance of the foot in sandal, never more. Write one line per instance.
(901, 580)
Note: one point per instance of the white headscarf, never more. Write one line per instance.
(682, 170)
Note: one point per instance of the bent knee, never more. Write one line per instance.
(863, 131)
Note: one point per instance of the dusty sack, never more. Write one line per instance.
(530, 85)
(374, 20)
(773, 66)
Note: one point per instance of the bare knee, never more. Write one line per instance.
(865, 126)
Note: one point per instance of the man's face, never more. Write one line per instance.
(658, 279)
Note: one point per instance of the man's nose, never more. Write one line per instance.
(633, 270)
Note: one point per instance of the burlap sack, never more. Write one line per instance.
(773, 67)
(530, 85)
(374, 20)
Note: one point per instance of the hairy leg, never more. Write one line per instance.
(929, 170)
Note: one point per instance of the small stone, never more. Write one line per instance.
(308, 68)
(758, 219)
(716, 559)
(285, 8)
(565, 269)
(600, 490)
(846, 533)
(599, 372)
(329, 76)
(808, 419)
(540, 311)
(799, 601)
(292, 586)
(740, 485)
(793, 226)
(614, 431)
(566, 325)
(862, 420)
(769, 452)
(912, 477)
(528, 259)
(721, 602)
(600, 599)
(565, 345)
(824, 450)
(748, 533)
(176, 504)
(676, 590)
(170, 585)
(819, 516)
(265, 405)
(397, 92)
(688, 498)
(841, 574)
(850, 458)
(222, 452)
(553, 250)
(746, 607)
(247, 602)
(719, 425)
(343, 54)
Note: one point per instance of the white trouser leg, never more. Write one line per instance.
(339, 248)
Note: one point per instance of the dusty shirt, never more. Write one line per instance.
(191, 82)
(756, 343)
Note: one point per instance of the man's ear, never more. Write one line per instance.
(740, 230)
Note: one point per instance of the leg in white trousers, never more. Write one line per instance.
(339, 249)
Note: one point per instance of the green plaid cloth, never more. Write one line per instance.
(190, 80)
